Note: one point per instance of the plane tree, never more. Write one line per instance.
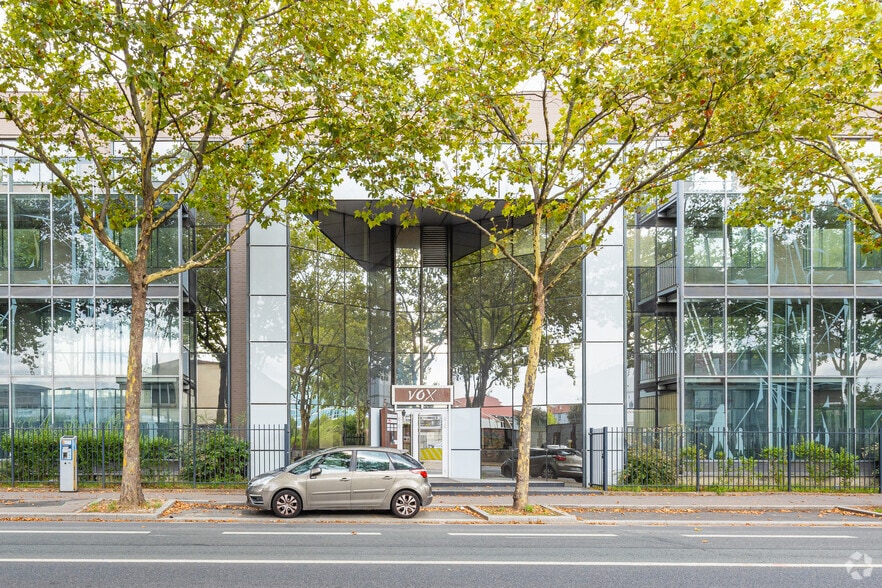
(244, 110)
(827, 150)
(574, 113)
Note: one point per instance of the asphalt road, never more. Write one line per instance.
(310, 554)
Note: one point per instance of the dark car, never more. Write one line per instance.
(344, 478)
(551, 461)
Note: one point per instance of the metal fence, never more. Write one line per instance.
(173, 456)
(673, 459)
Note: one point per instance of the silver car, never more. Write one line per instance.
(344, 478)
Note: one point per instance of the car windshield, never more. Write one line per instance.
(304, 464)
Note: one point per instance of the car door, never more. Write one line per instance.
(331, 486)
(372, 479)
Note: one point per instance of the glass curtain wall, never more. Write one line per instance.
(63, 356)
(330, 316)
(792, 362)
(490, 320)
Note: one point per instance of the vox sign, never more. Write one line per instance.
(422, 395)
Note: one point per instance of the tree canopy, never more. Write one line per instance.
(242, 110)
(826, 150)
(574, 113)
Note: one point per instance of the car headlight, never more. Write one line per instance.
(259, 482)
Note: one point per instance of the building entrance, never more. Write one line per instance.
(424, 435)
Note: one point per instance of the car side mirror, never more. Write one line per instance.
(314, 472)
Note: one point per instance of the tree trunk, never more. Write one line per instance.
(522, 480)
(131, 493)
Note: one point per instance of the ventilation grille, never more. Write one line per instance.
(433, 246)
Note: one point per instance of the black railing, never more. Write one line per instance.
(178, 456)
(734, 460)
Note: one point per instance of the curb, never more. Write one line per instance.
(560, 517)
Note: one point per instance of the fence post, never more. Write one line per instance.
(697, 463)
(789, 470)
(590, 447)
(605, 461)
(12, 451)
(103, 459)
(288, 444)
(193, 440)
(879, 460)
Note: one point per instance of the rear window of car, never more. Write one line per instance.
(402, 461)
(566, 451)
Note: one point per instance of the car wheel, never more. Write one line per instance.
(548, 473)
(405, 504)
(506, 472)
(286, 504)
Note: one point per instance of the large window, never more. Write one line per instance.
(703, 337)
(746, 259)
(703, 239)
(747, 337)
(790, 337)
(832, 337)
(790, 258)
(832, 246)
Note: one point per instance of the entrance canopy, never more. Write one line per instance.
(373, 248)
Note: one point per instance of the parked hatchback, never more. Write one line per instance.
(344, 478)
(552, 461)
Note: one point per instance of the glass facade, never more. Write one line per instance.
(425, 314)
(779, 325)
(64, 325)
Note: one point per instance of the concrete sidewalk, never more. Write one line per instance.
(229, 505)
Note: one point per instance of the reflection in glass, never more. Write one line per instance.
(704, 405)
(31, 238)
(791, 258)
(868, 399)
(790, 336)
(868, 352)
(869, 267)
(74, 403)
(73, 346)
(703, 337)
(112, 317)
(703, 239)
(832, 336)
(747, 337)
(747, 412)
(746, 259)
(72, 249)
(32, 402)
(832, 246)
(789, 406)
(162, 338)
(31, 335)
(833, 406)
(110, 402)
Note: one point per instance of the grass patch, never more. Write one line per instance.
(112, 506)
(529, 511)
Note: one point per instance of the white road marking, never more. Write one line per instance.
(533, 534)
(61, 532)
(760, 536)
(355, 562)
(297, 533)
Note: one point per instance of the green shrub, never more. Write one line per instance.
(37, 451)
(688, 456)
(777, 460)
(845, 466)
(648, 466)
(219, 457)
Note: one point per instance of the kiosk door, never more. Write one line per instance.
(424, 435)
